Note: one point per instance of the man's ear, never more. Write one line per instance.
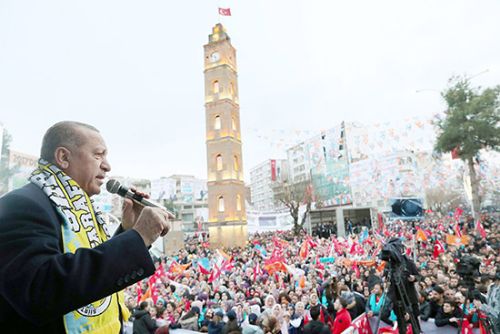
(62, 157)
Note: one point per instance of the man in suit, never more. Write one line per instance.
(59, 272)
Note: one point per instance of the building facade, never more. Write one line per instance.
(299, 168)
(262, 179)
(187, 196)
(226, 188)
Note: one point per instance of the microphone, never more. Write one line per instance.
(114, 187)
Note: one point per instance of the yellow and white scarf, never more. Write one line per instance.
(83, 227)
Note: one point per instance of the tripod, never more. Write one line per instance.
(402, 303)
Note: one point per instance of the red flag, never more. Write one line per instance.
(458, 213)
(361, 324)
(466, 327)
(389, 330)
(273, 163)
(154, 293)
(380, 221)
(225, 11)
(408, 251)
(480, 229)
(203, 270)
(227, 265)
(356, 249)
(277, 255)
(274, 267)
(311, 243)
(456, 230)
(336, 246)
(216, 272)
(318, 264)
(438, 249)
(160, 272)
(356, 269)
(139, 292)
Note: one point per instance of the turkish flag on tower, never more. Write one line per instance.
(225, 11)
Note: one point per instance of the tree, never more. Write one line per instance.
(470, 124)
(292, 196)
(443, 200)
(5, 171)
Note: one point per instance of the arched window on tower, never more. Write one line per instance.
(215, 87)
(217, 123)
(231, 89)
(218, 161)
(238, 202)
(236, 164)
(233, 124)
(220, 204)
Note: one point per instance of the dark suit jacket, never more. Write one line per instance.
(39, 283)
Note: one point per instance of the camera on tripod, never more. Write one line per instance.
(468, 269)
(392, 252)
(468, 266)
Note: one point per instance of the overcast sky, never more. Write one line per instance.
(134, 69)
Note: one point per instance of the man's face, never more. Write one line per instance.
(449, 294)
(435, 296)
(87, 164)
(447, 308)
(314, 299)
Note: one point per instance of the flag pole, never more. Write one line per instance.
(414, 250)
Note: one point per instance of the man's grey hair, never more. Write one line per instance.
(64, 134)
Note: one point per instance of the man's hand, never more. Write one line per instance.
(370, 314)
(131, 210)
(152, 223)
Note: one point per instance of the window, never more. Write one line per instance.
(218, 161)
(221, 204)
(238, 202)
(236, 164)
(231, 89)
(215, 87)
(217, 123)
(233, 123)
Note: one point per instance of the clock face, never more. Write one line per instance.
(215, 57)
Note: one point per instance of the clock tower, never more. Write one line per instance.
(226, 189)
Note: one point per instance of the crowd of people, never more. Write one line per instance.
(299, 284)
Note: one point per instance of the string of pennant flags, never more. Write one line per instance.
(377, 152)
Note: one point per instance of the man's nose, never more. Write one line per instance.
(106, 165)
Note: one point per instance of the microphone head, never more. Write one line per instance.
(113, 186)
